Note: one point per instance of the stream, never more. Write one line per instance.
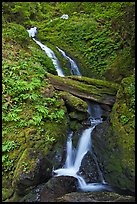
(74, 156)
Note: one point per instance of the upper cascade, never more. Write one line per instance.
(32, 32)
(65, 16)
(74, 68)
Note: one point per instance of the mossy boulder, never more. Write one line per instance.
(114, 140)
(34, 160)
(76, 107)
(32, 168)
(73, 102)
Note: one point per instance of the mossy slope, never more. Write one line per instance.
(115, 142)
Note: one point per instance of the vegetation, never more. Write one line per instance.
(101, 38)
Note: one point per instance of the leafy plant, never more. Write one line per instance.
(124, 119)
(9, 146)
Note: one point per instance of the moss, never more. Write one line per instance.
(78, 116)
(75, 125)
(74, 102)
(118, 158)
(97, 90)
(16, 33)
(121, 67)
(6, 193)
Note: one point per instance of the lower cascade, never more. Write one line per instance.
(74, 157)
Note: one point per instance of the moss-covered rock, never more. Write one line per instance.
(74, 103)
(78, 116)
(114, 140)
(34, 160)
(100, 91)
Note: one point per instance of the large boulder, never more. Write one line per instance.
(58, 186)
(49, 191)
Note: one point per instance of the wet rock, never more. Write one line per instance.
(95, 197)
(110, 156)
(57, 187)
(89, 170)
(78, 116)
(31, 170)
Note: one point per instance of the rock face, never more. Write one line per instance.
(49, 191)
(95, 197)
(57, 187)
(26, 177)
(100, 91)
(114, 140)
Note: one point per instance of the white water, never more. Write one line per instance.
(74, 67)
(32, 33)
(73, 162)
(52, 56)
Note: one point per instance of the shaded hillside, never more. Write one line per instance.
(100, 36)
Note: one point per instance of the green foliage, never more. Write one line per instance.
(15, 33)
(32, 11)
(129, 89)
(9, 146)
(7, 164)
(99, 35)
(23, 85)
(96, 33)
(124, 119)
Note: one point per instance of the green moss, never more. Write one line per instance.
(78, 116)
(75, 125)
(122, 116)
(74, 102)
(16, 33)
(6, 193)
(97, 90)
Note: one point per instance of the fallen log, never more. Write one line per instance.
(97, 90)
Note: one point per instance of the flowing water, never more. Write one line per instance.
(32, 33)
(74, 157)
(74, 68)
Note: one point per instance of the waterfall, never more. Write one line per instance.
(74, 157)
(83, 147)
(70, 152)
(74, 67)
(32, 33)
(72, 164)
(73, 161)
